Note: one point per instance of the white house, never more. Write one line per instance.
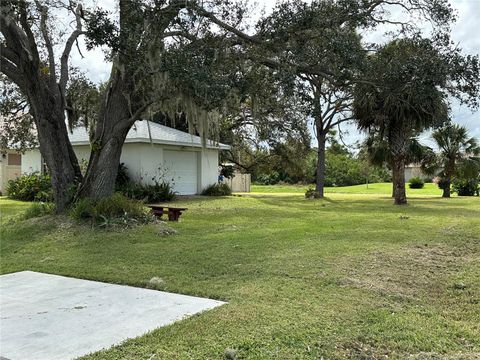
(154, 151)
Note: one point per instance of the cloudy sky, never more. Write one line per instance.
(465, 33)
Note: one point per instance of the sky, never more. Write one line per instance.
(465, 32)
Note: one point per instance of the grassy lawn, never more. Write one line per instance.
(348, 277)
(377, 188)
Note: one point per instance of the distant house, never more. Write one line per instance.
(10, 167)
(152, 151)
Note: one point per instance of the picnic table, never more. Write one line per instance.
(173, 212)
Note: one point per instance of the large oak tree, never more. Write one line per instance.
(136, 43)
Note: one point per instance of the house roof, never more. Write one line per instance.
(158, 134)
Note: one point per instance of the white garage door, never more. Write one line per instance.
(181, 166)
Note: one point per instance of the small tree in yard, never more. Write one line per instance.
(407, 93)
(456, 150)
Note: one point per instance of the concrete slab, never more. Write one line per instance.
(55, 317)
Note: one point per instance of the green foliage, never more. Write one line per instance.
(114, 210)
(268, 179)
(151, 193)
(38, 209)
(160, 191)
(416, 183)
(221, 189)
(83, 99)
(122, 176)
(467, 179)
(342, 169)
(227, 171)
(346, 170)
(456, 151)
(82, 209)
(30, 187)
(466, 187)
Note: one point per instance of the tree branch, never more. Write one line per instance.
(12, 72)
(68, 48)
(43, 10)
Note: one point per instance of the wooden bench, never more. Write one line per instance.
(173, 212)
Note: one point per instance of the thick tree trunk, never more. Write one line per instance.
(110, 134)
(398, 174)
(320, 178)
(56, 150)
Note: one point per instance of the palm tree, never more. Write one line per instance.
(456, 148)
(378, 154)
(402, 99)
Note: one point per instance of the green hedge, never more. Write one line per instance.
(217, 190)
(30, 187)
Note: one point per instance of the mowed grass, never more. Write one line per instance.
(376, 188)
(347, 277)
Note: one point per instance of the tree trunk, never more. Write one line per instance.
(446, 189)
(398, 174)
(448, 174)
(47, 107)
(111, 131)
(398, 143)
(320, 178)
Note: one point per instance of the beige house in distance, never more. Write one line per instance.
(10, 167)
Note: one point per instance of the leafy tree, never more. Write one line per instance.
(136, 43)
(457, 150)
(315, 48)
(407, 93)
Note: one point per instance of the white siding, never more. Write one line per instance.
(192, 169)
(181, 167)
(82, 152)
(209, 168)
(31, 161)
(132, 157)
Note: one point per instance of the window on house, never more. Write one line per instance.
(14, 159)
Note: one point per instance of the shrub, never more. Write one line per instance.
(416, 183)
(312, 194)
(118, 205)
(122, 176)
(268, 179)
(30, 187)
(160, 191)
(38, 209)
(217, 190)
(227, 171)
(466, 187)
(114, 210)
(83, 209)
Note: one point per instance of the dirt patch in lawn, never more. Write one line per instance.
(411, 272)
